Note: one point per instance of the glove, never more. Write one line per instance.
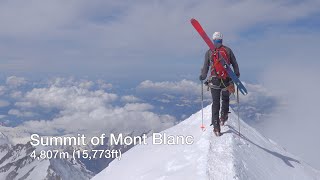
(202, 78)
(238, 74)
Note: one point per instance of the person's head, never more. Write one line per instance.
(217, 39)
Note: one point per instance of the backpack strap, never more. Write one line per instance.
(227, 54)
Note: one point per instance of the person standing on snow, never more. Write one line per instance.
(220, 84)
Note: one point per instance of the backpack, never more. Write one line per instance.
(216, 68)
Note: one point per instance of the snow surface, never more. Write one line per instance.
(3, 139)
(227, 157)
(33, 171)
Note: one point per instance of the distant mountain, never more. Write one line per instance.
(16, 163)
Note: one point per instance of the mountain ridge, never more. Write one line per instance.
(250, 156)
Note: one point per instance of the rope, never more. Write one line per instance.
(221, 81)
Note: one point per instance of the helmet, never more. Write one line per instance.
(217, 35)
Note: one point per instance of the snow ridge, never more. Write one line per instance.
(252, 156)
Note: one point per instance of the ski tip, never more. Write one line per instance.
(193, 20)
(244, 92)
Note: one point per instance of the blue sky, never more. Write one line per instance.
(127, 42)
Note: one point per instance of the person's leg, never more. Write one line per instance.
(215, 107)
(225, 102)
(225, 106)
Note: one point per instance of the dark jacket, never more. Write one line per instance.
(208, 61)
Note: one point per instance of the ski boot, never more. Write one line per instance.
(216, 131)
(223, 118)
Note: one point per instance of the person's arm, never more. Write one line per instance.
(205, 68)
(234, 63)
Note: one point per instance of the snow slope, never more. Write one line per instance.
(209, 157)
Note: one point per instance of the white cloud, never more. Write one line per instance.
(163, 100)
(184, 92)
(71, 98)
(19, 113)
(24, 104)
(130, 98)
(258, 95)
(104, 85)
(258, 105)
(78, 109)
(50, 16)
(255, 107)
(16, 94)
(102, 119)
(36, 16)
(138, 107)
(86, 84)
(15, 81)
(2, 90)
(179, 87)
(81, 31)
(295, 126)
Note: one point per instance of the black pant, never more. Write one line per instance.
(216, 94)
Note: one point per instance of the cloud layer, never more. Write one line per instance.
(67, 106)
(295, 126)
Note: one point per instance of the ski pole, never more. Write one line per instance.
(202, 126)
(238, 111)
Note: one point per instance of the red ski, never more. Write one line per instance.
(202, 33)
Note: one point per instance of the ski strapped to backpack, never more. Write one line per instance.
(222, 59)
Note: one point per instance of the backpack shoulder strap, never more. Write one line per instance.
(210, 56)
(227, 50)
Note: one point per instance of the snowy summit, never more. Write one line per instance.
(252, 156)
